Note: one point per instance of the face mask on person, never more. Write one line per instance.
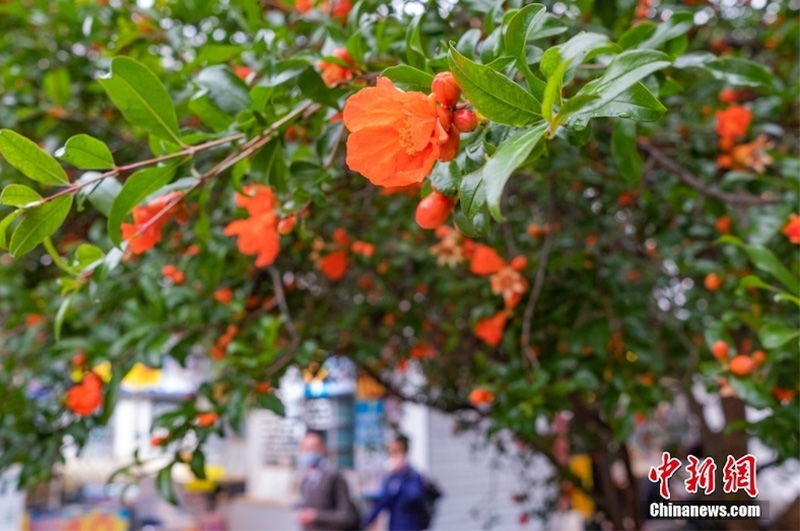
(309, 459)
(395, 462)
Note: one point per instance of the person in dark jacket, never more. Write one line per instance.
(325, 497)
(402, 493)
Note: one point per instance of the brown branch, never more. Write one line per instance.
(248, 148)
(688, 178)
(538, 283)
(120, 170)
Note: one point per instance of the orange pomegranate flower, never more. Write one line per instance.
(258, 234)
(334, 265)
(303, 6)
(510, 284)
(792, 228)
(485, 261)
(363, 248)
(140, 243)
(86, 397)
(480, 396)
(396, 136)
(223, 295)
(732, 123)
(334, 73)
(490, 330)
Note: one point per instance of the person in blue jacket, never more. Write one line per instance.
(402, 493)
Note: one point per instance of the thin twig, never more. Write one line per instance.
(248, 148)
(538, 283)
(684, 175)
(119, 170)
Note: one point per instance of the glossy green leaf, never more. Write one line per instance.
(493, 94)
(30, 159)
(87, 153)
(486, 185)
(39, 223)
(87, 254)
(101, 194)
(164, 485)
(739, 72)
(198, 464)
(775, 335)
(5, 224)
(271, 402)
(18, 195)
(415, 53)
(136, 188)
(766, 261)
(142, 99)
(636, 103)
(731, 70)
(229, 93)
(624, 152)
(412, 78)
(314, 88)
(211, 115)
(677, 25)
(624, 71)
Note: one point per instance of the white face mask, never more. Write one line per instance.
(394, 463)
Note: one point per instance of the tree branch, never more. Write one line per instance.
(711, 191)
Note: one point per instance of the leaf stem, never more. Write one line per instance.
(57, 260)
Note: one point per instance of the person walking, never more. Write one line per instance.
(403, 493)
(325, 497)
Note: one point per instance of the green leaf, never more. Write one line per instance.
(775, 335)
(87, 255)
(740, 72)
(4, 224)
(229, 93)
(731, 70)
(624, 71)
(142, 99)
(198, 463)
(30, 159)
(487, 183)
(766, 261)
(558, 60)
(415, 53)
(18, 195)
(136, 188)
(39, 223)
(164, 484)
(493, 94)
(100, 194)
(211, 115)
(269, 166)
(636, 103)
(446, 177)
(524, 23)
(636, 34)
(314, 88)
(87, 153)
(411, 77)
(271, 402)
(624, 152)
(61, 314)
(56, 85)
(677, 25)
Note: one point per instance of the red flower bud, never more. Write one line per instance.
(434, 210)
(449, 149)
(286, 225)
(465, 120)
(446, 89)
